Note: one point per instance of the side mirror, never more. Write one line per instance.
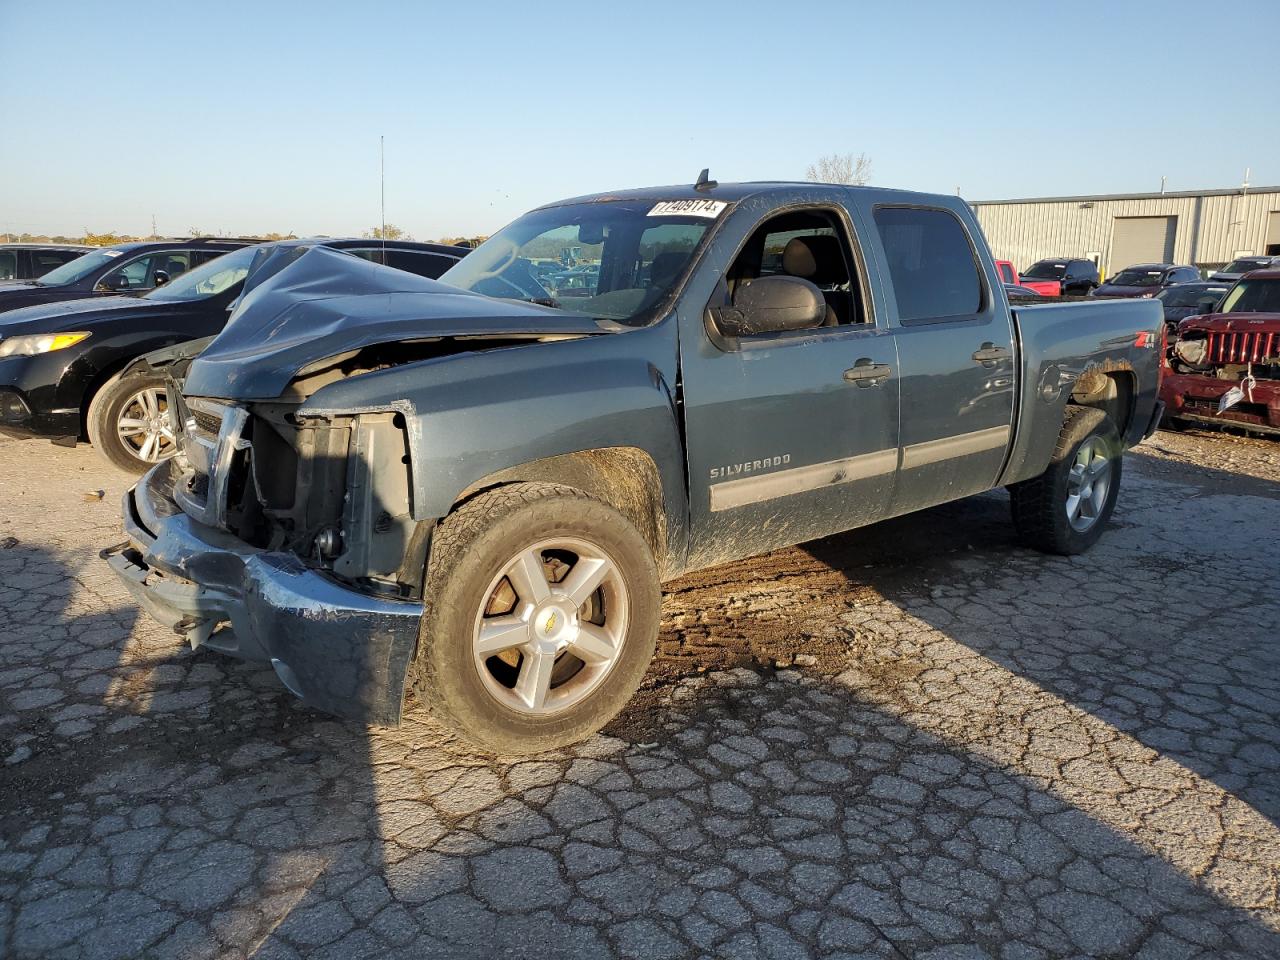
(1206, 304)
(161, 278)
(772, 304)
(114, 282)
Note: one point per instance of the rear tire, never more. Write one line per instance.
(1065, 509)
(127, 423)
(497, 659)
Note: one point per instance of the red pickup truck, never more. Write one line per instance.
(1046, 288)
(1238, 347)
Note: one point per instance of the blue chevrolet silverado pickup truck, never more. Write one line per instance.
(470, 491)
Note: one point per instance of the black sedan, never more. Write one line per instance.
(60, 364)
(1145, 280)
(1188, 299)
(128, 268)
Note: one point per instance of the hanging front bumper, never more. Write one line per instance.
(337, 649)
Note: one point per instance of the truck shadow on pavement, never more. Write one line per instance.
(203, 813)
(1150, 632)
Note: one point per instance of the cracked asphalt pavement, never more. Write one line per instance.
(915, 740)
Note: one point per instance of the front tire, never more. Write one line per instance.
(540, 618)
(128, 423)
(1065, 509)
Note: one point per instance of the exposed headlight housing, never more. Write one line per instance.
(29, 346)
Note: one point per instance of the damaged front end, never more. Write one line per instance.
(1225, 369)
(274, 538)
(284, 528)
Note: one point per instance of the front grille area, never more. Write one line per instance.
(261, 475)
(1244, 347)
(207, 423)
(204, 418)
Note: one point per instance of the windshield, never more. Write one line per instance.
(1137, 278)
(1253, 296)
(208, 280)
(78, 269)
(1046, 270)
(612, 260)
(1243, 266)
(1189, 294)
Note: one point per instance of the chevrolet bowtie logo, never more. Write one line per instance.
(550, 624)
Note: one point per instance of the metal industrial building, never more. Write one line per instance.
(1207, 228)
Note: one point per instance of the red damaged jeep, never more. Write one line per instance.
(1225, 367)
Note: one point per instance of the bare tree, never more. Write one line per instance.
(848, 168)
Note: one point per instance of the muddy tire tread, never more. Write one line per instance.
(1037, 508)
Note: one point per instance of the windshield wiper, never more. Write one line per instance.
(544, 302)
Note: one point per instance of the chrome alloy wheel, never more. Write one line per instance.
(143, 425)
(551, 626)
(1088, 483)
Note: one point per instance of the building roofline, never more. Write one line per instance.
(1167, 195)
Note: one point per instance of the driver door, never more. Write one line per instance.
(786, 441)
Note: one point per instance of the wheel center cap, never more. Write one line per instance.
(554, 623)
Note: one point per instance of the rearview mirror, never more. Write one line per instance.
(772, 304)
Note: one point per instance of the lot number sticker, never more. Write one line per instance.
(688, 208)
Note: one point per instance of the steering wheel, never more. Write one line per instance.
(512, 253)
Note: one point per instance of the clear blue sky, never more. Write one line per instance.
(259, 116)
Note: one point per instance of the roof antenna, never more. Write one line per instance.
(704, 180)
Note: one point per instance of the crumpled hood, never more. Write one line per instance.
(69, 315)
(326, 303)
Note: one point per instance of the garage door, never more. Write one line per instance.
(1273, 233)
(1141, 240)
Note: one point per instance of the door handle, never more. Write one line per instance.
(989, 354)
(867, 373)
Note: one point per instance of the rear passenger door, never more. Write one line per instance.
(955, 352)
(200, 257)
